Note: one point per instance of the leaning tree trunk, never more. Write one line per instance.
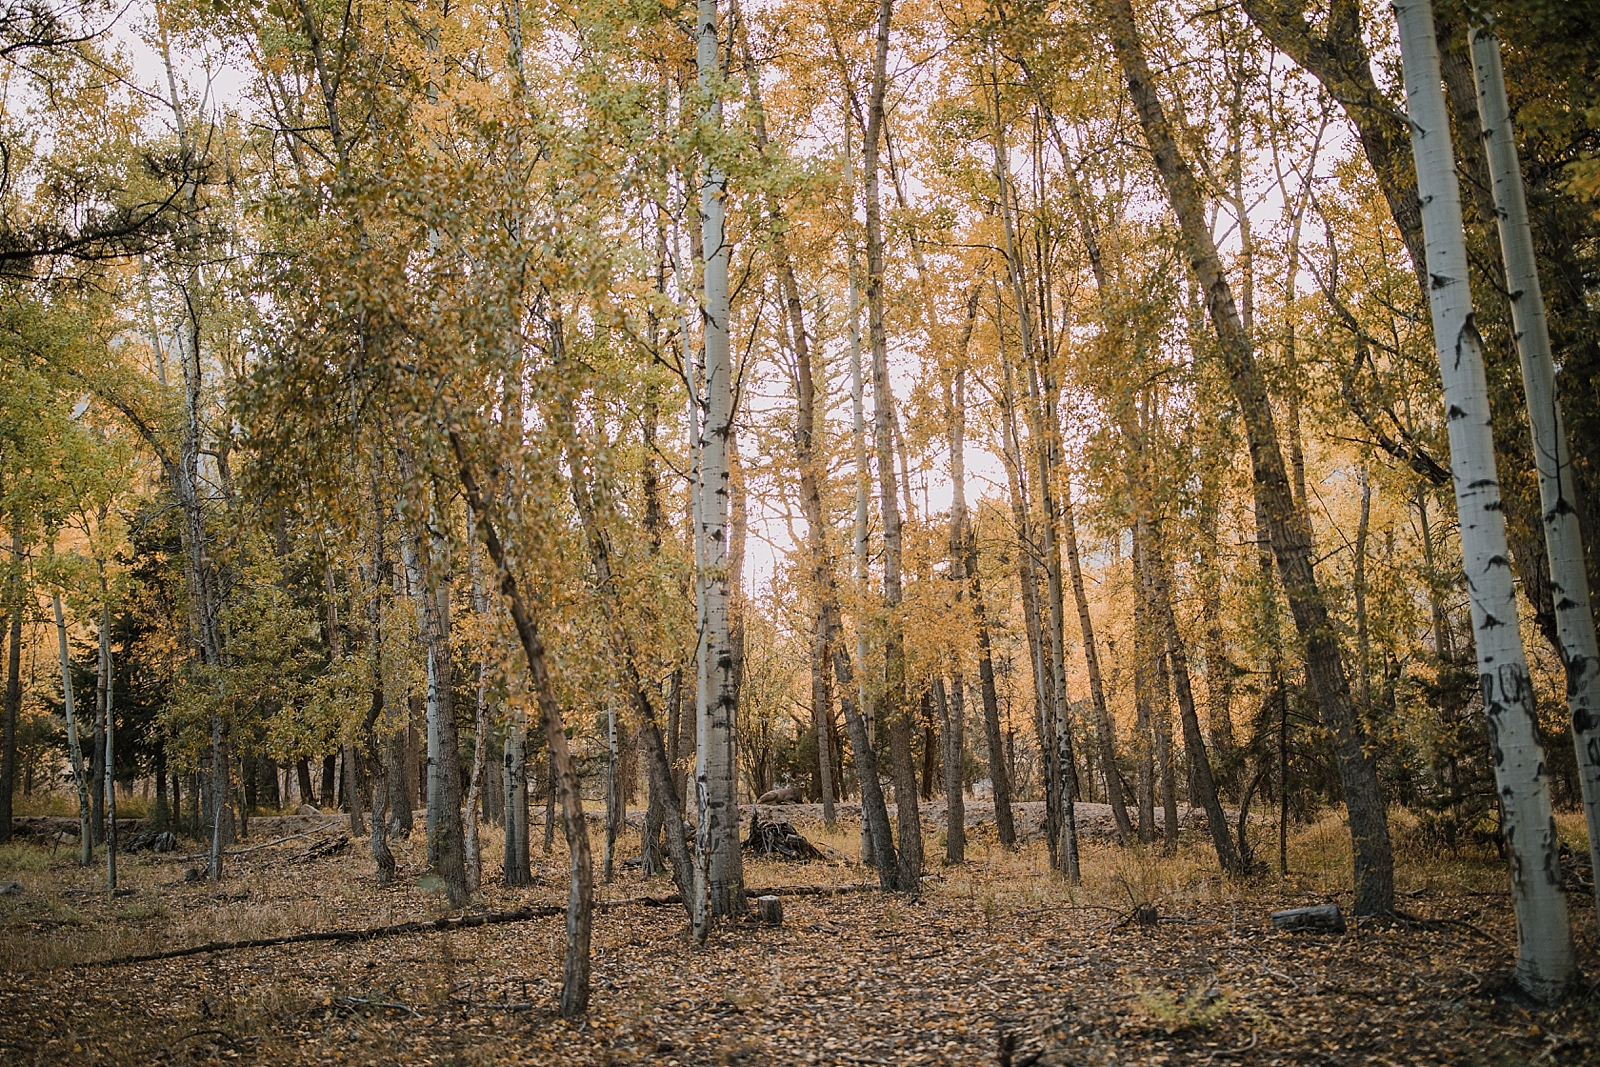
(1105, 730)
(1545, 965)
(718, 758)
(580, 899)
(877, 845)
(1564, 540)
(662, 776)
(1287, 522)
(1202, 785)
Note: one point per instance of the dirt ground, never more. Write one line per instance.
(997, 961)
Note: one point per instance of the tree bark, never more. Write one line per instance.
(1545, 964)
(1557, 494)
(717, 773)
(1288, 524)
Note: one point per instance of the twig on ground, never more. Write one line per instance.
(353, 1001)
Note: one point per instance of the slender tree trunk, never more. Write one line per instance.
(97, 757)
(1105, 730)
(1545, 965)
(999, 768)
(1219, 668)
(894, 703)
(954, 750)
(445, 836)
(1202, 786)
(860, 547)
(1563, 538)
(480, 731)
(877, 846)
(608, 861)
(108, 715)
(717, 773)
(1288, 524)
(1363, 644)
(580, 902)
(955, 731)
(74, 751)
(518, 870)
(551, 785)
(1155, 644)
(379, 740)
(13, 698)
(1027, 580)
(822, 719)
(658, 765)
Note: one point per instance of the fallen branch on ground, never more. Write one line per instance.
(459, 922)
(265, 844)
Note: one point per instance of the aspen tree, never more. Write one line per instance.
(1563, 538)
(1544, 939)
(74, 750)
(717, 768)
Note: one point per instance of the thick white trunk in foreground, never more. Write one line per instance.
(716, 770)
(1544, 950)
(1563, 541)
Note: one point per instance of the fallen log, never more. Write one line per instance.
(1321, 919)
(458, 922)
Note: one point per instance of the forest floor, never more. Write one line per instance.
(996, 962)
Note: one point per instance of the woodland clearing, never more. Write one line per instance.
(997, 961)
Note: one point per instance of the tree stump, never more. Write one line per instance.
(770, 910)
(1322, 919)
(778, 838)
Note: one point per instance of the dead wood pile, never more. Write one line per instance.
(777, 838)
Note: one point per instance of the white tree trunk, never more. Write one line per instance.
(1544, 951)
(717, 764)
(74, 750)
(431, 715)
(1568, 580)
(106, 702)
